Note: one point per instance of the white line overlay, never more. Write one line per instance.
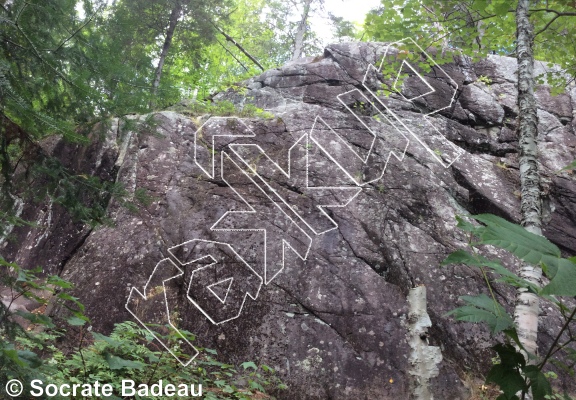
(218, 279)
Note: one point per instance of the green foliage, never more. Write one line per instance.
(531, 248)
(507, 374)
(513, 373)
(483, 309)
(478, 27)
(260, 27)
(407, 59)
(485, 80)
(343, 30)
(66, 65)
(447, 24)
(569, 167)
(129, 352)
(251, 111)
(224, 109)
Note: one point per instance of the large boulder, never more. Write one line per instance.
(331, 313)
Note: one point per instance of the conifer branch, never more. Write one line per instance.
(89, 20)
(232, 54)
(235, 43)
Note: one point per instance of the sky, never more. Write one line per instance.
(351, 10)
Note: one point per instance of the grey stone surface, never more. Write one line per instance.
(334, 326)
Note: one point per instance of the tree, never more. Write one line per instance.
(245, 44)
(61, 70)
(291, 22)
(343, 30)
(41, 67)
(477, 28)
(186, 28)
(527, 305)
(175, 15)
(517, 376)
(301, 30)
(43, 84)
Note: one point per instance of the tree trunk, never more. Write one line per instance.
(174, 16)
(424, 359)
(299, 38)
(527, 305)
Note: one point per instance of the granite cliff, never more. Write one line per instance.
(331, 310)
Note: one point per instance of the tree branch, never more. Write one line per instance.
(557, 339)
(231, 39)
(20, 12)
(558, 15)
(39, 56)
(232, 54)
(75, 32)
(14, 43)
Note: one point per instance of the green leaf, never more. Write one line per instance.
(531, 248)
(76, 321)
(12, 354)
(483, 301)
(525, 245)
(115, 362)
(512, 334)
(228, 389)
(572, 165)
(501, 8)
(509, 355)
(39, 319)
(249, 364)
(57, 281)
(30, 358)
(153, 358)
(563, 282)
(507, 378)
(483, 309)
(22, 276)
(257, 386)
(463, 257)
(66, 296)
(77, 312)
(458, 257)
(539, 383)
(266, 368)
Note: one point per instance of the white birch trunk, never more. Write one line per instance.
(423, 358)
(301, 31)
(527, 304)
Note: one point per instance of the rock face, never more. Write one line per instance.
(331, 311)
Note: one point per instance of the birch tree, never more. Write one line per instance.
(301, 30)
(527, 304)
